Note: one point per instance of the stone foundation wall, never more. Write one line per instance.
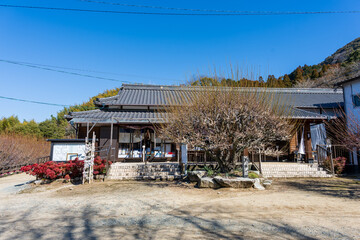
(141, 171)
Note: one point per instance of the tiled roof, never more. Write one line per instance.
(155, 95)
(144, 117)
(297, 113)
(103, 116)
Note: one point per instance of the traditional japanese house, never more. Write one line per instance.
(126, 121)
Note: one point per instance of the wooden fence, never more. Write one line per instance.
(16, 167)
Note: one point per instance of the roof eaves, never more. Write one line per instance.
(346, 81)
(196, 88)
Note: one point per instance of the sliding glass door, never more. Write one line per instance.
(132, 141)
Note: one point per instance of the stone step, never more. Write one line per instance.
(290, 171)
(299, 175)
(293, 170)
(296, 174)
(287, 167)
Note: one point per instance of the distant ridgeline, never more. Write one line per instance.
(344, 63)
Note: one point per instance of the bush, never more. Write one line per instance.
(209, 172)
(253, 175)
(100, 165)
(67, 177)
(236, 173)
(69, 170)
(339, 164)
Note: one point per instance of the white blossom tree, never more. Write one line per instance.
(225, 121)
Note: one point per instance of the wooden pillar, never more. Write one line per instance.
(178, 152)
(293, 143)
(246, 152)
(307, 141)
(260, 168)
(111, 136)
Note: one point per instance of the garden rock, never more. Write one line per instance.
(195, 176)
(207, 182)
(234, 182)
(257, 184)
(267, 184)
(38, 182)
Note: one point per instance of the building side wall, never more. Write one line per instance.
(352, 112)
(350, 89)
(82, 132)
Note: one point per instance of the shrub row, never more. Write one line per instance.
(68, 170)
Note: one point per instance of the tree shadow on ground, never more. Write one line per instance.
(164, 184)
(152, 183)
(88, 222)
(341, 188)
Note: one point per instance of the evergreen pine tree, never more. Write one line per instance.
(287, 81)
(298, 75)
(314, 74)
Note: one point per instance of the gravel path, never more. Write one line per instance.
(293, 209)
(14, 184)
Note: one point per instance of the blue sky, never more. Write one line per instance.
(163, 49)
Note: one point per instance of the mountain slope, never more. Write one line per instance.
(345, 53)
(341, 65)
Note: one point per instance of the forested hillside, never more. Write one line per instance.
(55, 126)
(343, 64)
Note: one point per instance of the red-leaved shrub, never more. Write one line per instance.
(68, 170)
(67, 177)
(339, 164)
(100, 165)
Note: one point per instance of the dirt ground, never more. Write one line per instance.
(292, 209)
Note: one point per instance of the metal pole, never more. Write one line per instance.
(178, 152)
